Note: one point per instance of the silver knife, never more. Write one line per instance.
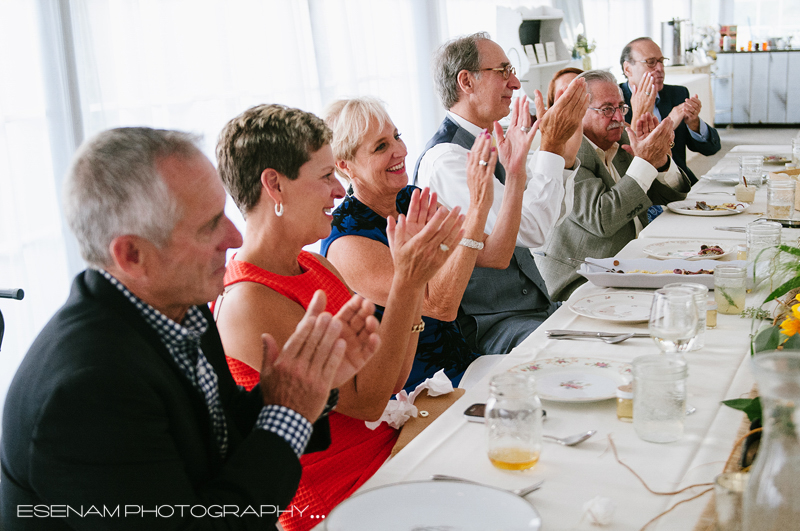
(732, 229)
(555, 334)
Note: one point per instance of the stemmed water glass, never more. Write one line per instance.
(673, 319)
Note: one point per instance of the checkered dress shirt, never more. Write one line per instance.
(183, 343)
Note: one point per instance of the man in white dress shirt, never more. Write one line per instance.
(617, 181)
(506, 298)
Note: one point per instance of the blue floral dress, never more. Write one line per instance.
(441, 345)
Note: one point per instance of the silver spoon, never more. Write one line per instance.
(572, 440)
(524, 491)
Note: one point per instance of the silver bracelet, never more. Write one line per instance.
(472, 244)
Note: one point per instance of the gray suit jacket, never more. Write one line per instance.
(602, 218)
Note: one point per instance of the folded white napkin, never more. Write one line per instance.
(398, 411)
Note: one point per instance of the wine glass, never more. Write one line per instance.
(673, 319)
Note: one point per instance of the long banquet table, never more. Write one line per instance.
(575, 475)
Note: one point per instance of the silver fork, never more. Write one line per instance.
(519, 492)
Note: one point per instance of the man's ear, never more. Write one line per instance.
(466, 82)
(627, 70)
(271, 184)
(129, 254)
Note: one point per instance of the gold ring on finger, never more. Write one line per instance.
(671, 145)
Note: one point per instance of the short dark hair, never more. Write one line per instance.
(626, 52)
(266, 136)
(451, 58)
(551, 88)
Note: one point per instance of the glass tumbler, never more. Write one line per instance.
(729, 289)
(673, 319)
(700, 293)
(763, 239)
(750, 170)
(780, 198)
(659, 397)
(513, 421)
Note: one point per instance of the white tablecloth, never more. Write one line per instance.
(575, 475)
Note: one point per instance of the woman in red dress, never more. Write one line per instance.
(277, 164)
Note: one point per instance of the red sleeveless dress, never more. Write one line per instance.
(356, 452)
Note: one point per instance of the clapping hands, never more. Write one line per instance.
(650, 140)
(423, 239)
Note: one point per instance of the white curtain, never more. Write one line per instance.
(613, 24)
(32, 251)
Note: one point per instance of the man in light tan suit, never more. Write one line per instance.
(617, 181)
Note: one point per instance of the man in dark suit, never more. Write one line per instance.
(123, 414)
(645, 91)
(616, 183)
(506, 298)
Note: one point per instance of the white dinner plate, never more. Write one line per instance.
(726, 178)
(619, 306)
(577, 379)
(687, 208)
(433, 506)
(686, 250)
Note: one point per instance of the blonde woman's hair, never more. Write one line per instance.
(350, 119)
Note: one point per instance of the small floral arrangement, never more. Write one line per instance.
(785, 329)
(582, 47)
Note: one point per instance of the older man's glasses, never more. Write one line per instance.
(652, 62)
(609, 111)
(505, 70)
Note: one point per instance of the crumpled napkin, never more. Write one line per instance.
(600, 510)
(398, 411)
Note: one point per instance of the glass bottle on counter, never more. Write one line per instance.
(772, 496)
(513, 421)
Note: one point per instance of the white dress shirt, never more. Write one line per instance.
(547, 199)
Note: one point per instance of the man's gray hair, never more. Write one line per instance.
(626, 52)
(114, 188)
(451, 58)
(594, 76)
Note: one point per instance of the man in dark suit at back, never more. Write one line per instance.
(645, 91)
(123, 414)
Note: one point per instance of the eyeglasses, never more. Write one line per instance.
(652, 62)
(609, 112)
(507, 70)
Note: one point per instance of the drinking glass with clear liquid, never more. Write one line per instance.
(700, 293)
(513, 421)
(729, 289)
(673, 319)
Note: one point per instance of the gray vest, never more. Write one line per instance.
(494, 294)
